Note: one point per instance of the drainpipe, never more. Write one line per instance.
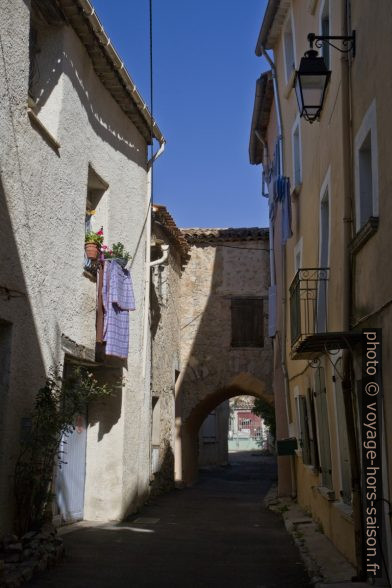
(148, 256)
(161, 260)
(283, 266)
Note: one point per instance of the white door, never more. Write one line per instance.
(71, 472)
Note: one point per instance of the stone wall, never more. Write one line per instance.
(165, 334)
(211, 369)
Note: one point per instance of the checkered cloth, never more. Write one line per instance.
(118, 300)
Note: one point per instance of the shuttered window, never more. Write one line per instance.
(323, 428)
(247, 322)
(304, 430)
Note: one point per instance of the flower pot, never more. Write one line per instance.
(91, 250)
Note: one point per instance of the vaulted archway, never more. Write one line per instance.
(188, 425)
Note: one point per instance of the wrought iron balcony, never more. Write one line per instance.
(308, 305)
(309, 316)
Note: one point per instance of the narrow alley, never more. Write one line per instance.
(216, 533)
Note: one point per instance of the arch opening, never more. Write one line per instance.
(187, 434)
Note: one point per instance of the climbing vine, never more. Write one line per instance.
(56, 405)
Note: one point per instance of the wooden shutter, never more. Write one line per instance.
(247, 322)
(323, 428)
(303, 412)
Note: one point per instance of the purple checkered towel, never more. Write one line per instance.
(118, 300)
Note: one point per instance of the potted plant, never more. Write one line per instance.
(117, 252)
(92, 243)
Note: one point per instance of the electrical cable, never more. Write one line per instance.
(151, 105)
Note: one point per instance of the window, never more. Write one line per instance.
(96, 205)
(324, 232)
(298, 255)
(288, 44)
(325, 30)
(245, 423)
(45, 51)
(366, 169)
(344, 456)
(247, 328)
(303, 436)
(297, 158)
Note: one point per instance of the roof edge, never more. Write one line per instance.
(269, 16)
(89, 14)
(262, 106)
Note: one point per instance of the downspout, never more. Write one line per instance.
(161, 260)
(283, 266)
(147, 279)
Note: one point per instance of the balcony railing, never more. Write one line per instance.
(308, 304)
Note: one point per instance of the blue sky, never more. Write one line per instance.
(205, 71)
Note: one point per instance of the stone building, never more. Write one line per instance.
(74, 134)
(330, 274)
(169, 256)
(225, 349)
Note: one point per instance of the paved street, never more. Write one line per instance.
(214, 534)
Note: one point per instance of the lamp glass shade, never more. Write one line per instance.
(311, 82)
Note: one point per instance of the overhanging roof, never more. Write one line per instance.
(271, 26)
(161, 215)
(202, 236)
(261, 112)
(110, 69)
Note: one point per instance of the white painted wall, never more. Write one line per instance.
(42, 227)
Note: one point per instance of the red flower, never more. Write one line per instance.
(100, 232)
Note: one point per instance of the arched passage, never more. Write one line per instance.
(187, 429)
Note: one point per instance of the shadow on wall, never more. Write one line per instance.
(53, 59)
(215, 370)
(22, 370)
(107, 412)
(163, 480)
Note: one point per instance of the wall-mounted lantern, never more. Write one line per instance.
(311, 80)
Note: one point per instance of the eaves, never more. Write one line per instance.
(272, 24)
(108, 66)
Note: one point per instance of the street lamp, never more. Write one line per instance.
(311, 80)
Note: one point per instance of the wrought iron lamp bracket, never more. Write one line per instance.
(348, 42)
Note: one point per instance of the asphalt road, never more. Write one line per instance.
(215, 534)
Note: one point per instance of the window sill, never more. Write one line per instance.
(326, 493)
(43, 131)
(312, 6)
(364, 234)
(345, 510)
(289, 85)
(296, 191)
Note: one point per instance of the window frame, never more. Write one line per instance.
(296, 127)
(289, 21)
(368, 125)
(326, 49)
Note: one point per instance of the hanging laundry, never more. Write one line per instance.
(118, 299)
(285, 198)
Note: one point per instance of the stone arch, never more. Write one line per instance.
(243, 384)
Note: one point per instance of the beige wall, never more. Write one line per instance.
(322, 165)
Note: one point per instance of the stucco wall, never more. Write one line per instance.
(43, 208)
